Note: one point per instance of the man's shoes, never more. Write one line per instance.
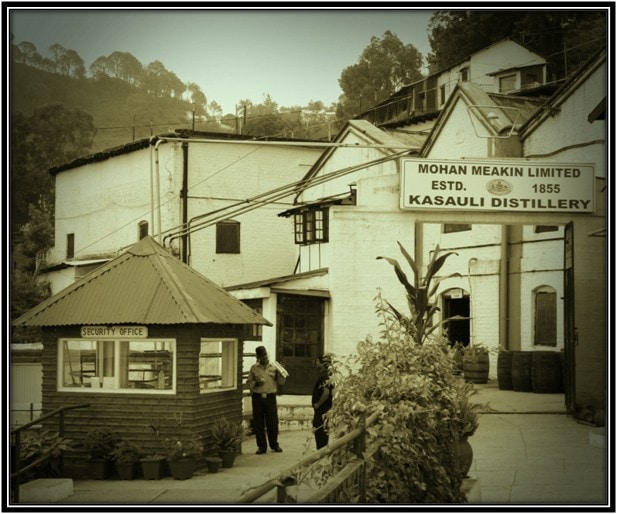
(261, 451)
(277, 449)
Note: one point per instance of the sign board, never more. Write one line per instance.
(488, 185)
(101, 332)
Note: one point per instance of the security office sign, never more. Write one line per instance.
(508, 185)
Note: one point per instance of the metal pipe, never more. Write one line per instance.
(503, 307)
(183, 198)
(158, 187)
(287, 143)
(270, 196)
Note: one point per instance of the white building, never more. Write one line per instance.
(512, 257)
(191, 191)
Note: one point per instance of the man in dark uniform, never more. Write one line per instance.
(321, 400)
(263, 379)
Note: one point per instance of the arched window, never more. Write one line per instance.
(545, 316)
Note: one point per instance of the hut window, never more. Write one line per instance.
(218, 364)
(115, 364)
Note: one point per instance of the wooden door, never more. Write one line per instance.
(300, 340)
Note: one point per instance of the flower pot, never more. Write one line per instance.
(213, 463)
(126, 470)
(227, 458)
(100, 469)
(466, 456)
(152, 468)
(182, 469)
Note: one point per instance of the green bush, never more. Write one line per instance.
(408, 376)
(100, 442)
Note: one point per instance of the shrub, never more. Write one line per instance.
(408, 377)
(227, 435)
(100, 442)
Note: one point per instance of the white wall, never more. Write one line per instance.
(103, 202)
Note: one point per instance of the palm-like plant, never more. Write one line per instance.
(420, 293)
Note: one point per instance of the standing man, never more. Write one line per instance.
(262, 381)
(321, 400)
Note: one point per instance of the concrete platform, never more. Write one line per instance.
(46, 490)
(527, 451)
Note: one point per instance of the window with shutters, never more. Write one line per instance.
(311, 226)
(545, 316)
(228, 237)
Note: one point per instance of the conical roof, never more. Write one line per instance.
(145, 285)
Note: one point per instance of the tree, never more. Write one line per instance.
(384, 66)
(58, 52)
(53, 135)
(27, 290)
(198, 98)
(457, 34)
(262, 119)
(215, 109)
(124, 66)
(73, 65)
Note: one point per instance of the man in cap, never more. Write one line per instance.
(263, 379)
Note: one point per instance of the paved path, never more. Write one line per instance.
(526, 451)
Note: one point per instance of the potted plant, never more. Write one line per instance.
(476, 363)
(126, 455)
(100, 443)
(465, 416)
(152, 463)
(213, 464)
(227, 436)
(183, 452)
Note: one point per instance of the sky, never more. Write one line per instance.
(293, 55)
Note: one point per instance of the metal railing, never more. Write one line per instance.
(16, 470)
(352, 475)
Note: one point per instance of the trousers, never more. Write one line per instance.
(265, 420)
(321, 436)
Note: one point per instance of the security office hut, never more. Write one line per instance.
(145, 340)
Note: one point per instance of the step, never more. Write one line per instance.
(45, 490)
(471, 487)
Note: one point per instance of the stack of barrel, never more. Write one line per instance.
(538, 371)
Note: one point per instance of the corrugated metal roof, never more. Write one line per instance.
(145, 285)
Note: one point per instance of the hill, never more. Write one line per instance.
(121, 112)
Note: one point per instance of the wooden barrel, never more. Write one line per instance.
(546, 372)
(505, 375)
(476, 369)
(521, 371)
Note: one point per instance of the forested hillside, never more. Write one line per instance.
(121, 112)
